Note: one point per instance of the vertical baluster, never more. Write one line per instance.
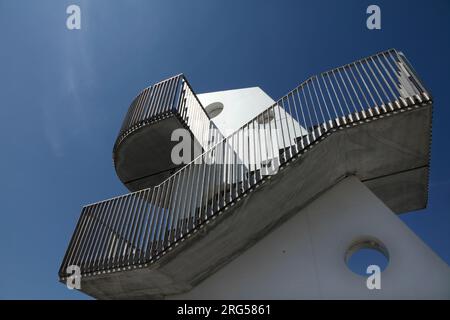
(135, 110)
(74, 244)
(117, 239)
(291, 115)
(214, 152)
(174, 207)
(231, 166)
(377, 109)
(317, 121)
(132, 226)
(156, 99)
(311, 130)
(196, 202)
(305, 124)
(387, 85)
(220, 183)
(152, 224)
(340, 71)
(149, 105)
(223, 174)
(165, 218)
(269, 141)
(361, 106)
(78, 254)
(98, 217)
(142, 224)
(229, 170)
(250, 167)
(330, 80)
(137, 225)
(126, 235)
(335, 118)
(413, 78)
(320, 106)
(102, 235)
(383, 102)
(89, 236)
(139, 116)
(160, 100)
(237, 162)
(277, 138)
(122, 232)
(208, 167)
(191, 204)
(184, 217)
(113, 238)
(297, 119)
(245, 156)
(346, 114)
(255, 154)
(105, 249)
(126, 122)
(394, 82)
(163, 105)
(170, 95)
(157, 243)
(369, 108)
(182, 102)
(330, 118)
(177, 94)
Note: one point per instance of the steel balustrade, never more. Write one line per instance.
(173, 96)
(136, 229)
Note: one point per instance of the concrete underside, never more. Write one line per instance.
(141, 160)
(390, 154)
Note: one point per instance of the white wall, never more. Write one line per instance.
(304, 257)
(242, 106)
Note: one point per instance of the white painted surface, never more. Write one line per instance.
(240, 106)
(266, 139)
(243, 105)
(304, 257)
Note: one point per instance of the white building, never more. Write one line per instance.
(280, 197)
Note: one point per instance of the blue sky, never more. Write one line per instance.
(63, 95)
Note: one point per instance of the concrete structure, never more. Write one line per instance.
(272, 207)
(304, 258)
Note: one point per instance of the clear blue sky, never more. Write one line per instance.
(63, 95)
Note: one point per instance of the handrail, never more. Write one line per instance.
(170, 96)
(152, 220)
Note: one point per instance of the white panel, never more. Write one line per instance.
(304, 257)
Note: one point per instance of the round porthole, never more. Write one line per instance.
(364, 253)
(214, 109)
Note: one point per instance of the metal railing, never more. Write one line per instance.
(173, 96)
(135, 229)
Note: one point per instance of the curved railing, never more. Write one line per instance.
(173, 96)
(136, 229)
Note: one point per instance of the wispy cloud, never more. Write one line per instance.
(64, 111)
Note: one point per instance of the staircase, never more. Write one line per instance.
(370, 118)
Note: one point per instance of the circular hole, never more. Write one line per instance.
(214, 109)
(365, 253)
